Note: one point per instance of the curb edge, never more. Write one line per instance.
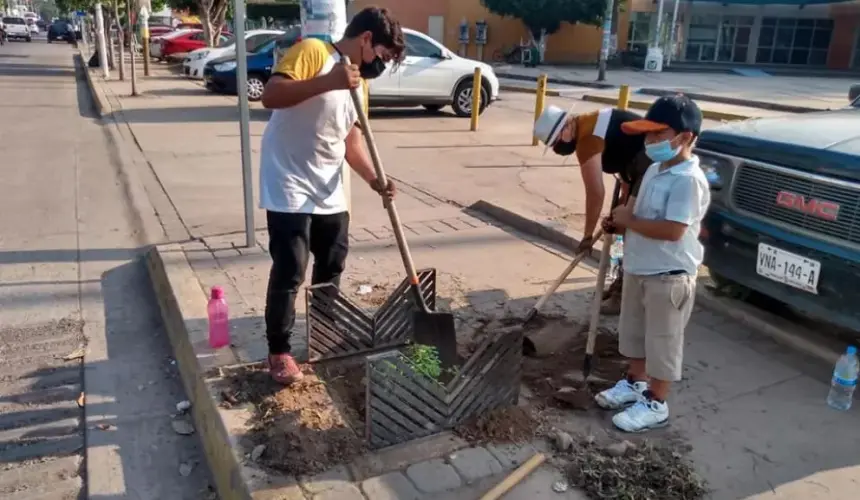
(179, 294)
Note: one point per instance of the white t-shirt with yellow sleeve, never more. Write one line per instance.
(302, 155)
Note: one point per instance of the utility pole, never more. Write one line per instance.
(119, 40)
(100, 39)
(604, 46)
(130, 10)
(144, 28)
(244, 119)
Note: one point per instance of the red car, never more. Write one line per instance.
(186, 42)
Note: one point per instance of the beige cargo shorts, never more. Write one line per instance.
(654, 314)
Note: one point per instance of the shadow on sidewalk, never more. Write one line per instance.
(15, 70)
(195, 92)
(189, 114)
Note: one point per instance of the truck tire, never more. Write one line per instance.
(854, 92)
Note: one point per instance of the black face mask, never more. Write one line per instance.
(370, 70)
(564, 148)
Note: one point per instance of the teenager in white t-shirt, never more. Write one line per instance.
(312, 136)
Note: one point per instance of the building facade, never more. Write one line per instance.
(706, 32)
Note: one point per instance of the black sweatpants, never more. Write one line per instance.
(292, 239)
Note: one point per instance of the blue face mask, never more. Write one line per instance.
(661, 151)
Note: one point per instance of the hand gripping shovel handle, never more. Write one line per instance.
(598, 292)
(389, 205)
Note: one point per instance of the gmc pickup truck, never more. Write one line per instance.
(785, 212)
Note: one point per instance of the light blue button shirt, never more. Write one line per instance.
(679, 194)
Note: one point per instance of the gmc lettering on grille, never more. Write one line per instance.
(822, 209)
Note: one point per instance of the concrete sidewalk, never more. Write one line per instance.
(777, 93)
(752, 411)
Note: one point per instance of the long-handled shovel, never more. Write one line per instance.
(529, 347)
(598, 293)
(428, 327)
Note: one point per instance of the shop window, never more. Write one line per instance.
(639, 31)
(797, 41)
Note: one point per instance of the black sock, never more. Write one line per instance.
(650, 396)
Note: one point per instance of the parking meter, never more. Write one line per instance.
(481, 37)
(464, 36)
(481, 32)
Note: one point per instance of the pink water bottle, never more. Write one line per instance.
(219, 327)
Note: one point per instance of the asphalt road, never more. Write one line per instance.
(72, 282)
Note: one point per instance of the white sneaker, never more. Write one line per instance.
(621, 395)
(642, 416)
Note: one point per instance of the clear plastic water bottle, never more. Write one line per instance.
(616, 253)
(844, 380)
(219, 322)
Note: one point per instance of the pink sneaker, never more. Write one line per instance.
(283, 369)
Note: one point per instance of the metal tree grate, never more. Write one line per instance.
(337, 327)
(403, 404)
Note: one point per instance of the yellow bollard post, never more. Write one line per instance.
(540, 99)
(624, 97)
(476, 99)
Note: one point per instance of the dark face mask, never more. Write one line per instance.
(370, 70)
(564, 148)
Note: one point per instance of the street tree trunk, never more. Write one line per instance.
(616, 13)
(106, 17)
(212, 15)
(120, 36)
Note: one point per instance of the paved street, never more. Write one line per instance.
(87, 383)
(752, 411)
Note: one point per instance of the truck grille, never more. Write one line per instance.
(756, 188)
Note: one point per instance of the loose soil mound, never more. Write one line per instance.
(555, 380)
(647, 471)
(301, 427)
(505, 425)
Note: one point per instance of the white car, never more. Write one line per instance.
(155, 43)
(34, 28)
(434, 77)
(195, 61)
(16, 27)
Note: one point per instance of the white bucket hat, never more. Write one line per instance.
(549, 125)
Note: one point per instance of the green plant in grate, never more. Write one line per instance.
(424, 359)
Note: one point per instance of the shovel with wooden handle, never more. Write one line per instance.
(529, 348)
(429, 327)
(598, 293)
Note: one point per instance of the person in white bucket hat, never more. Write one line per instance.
(601, 147)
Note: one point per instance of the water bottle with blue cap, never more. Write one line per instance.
(844, 380)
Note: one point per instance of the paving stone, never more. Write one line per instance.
(433, 476)
(475, 463)
(391, 486)
(512, 456)
(439, 227)
(330, 479)
(457, 224)
(344, 491)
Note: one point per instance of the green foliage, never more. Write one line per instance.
(424, 360)
(190, 6)
(548, 15)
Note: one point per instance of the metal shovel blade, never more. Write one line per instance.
(437, 329)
